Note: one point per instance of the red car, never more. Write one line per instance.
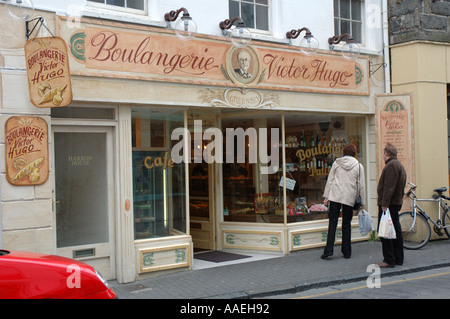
(26, 275)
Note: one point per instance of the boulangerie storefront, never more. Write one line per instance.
(170, 147)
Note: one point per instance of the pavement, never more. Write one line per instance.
(269, 275)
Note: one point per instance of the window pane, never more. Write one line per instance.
(356, 10)
(135, 4)
(336, 8)
(345, 9)
(120, 3)
(313, 142)
(336, 27)
(356, 31)
(159, 194)
(248, 15)
(99, 1)
(81, 189)
(262, 18)
(234, 9)
(345, 27)
(262, 1)
(82, 113)
(249, 193)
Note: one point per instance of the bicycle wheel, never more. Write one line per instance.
(446, 222)
(414, 237)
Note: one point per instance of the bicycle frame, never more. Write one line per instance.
(424, 214)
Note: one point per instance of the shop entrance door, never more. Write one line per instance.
(84, 195)
(201, 206)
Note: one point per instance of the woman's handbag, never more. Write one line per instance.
(357, 205)
(386, 228)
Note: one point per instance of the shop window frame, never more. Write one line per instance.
(254, 28)
(337, 19)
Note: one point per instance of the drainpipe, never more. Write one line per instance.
(387, 69)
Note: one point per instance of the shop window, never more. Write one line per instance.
(255, 14)
(348, 18)
(158, 183)
(312, 143)
(249, 193)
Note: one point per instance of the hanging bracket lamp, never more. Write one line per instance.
(185, 28)
(240, 36)
(309, 44)
(350, 50)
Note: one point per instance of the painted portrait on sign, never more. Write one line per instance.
(243, 65)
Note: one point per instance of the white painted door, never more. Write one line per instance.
(84, 195)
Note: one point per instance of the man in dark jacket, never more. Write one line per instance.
(391, 189)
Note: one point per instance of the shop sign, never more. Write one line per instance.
(156, 55)
(26, 146)
(48, 72)
(395, 127)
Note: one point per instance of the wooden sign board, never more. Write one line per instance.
(395, 126)
(117, 51)
(26, 148)
(48, 72)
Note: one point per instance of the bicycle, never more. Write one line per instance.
(416, 230)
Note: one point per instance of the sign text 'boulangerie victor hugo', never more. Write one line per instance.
(26, 148)
(149, 55)
(48, 72)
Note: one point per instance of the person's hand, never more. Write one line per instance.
(384, 208)
(325, 201)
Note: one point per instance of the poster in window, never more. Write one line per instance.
(26, 145)
(48, 72)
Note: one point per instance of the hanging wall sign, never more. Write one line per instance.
(48, 72)
(395, 126)
(26, 146)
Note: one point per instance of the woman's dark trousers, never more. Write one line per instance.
(333, 217)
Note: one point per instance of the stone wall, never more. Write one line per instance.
(424, 20)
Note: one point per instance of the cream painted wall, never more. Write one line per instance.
(423, 69)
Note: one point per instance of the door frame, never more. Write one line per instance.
(102, 250)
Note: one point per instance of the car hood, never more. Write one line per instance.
(33, 271)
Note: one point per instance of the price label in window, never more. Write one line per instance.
(290, 183)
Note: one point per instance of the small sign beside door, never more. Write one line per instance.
(48, 72)
(26, 145)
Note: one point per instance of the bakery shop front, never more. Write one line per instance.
(205, 146)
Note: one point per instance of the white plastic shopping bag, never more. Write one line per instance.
(365, 222)
(386, 228)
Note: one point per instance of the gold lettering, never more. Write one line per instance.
(160, 161)
(318, 150)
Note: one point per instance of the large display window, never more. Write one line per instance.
(294, 191)
(159, 184)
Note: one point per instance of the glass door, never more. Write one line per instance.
(84, 195)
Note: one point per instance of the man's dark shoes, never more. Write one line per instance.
(385, 265)
(325, 256)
